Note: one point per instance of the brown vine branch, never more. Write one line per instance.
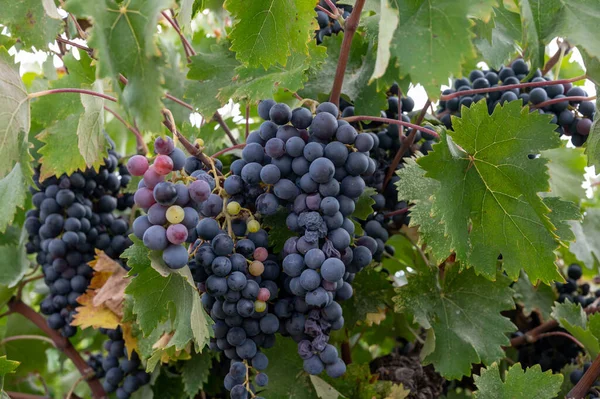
(560, 100)
(68, 90)
(189, 50)
(396, 212)
(406, 143)
(581, 389)
(326, 11)
(141, 145)
(391, 122)
(350, 28)
(219, 119)
(226, 150)
(510, 87)
(20, 395)
(73, 44)
(61, 343)
(561, 334)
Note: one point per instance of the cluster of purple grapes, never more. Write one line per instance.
(171, 206)
(75, 215)
(121, 374)
(574, 118)
(314, 167)
(237, 280)
(328, 25)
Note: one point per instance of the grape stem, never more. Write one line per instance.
(142, 148)
(73, 44)
(61, 343)
(226, 150)
(71, 90)
(406, 143)
(581, 389)
(27, 337)
(391, 122)
(326, 11)
(563, 49)
(560, 100)
(396, 212)
(560, 334)
(189, 50)
(351, 25)
(510, 87)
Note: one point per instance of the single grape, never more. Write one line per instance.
(253, 226)
(234, 208)
(177, 234)
(175, 214)
(260, 306)
(256, 268)
(155, 238)
(137, 165)
(164, 146)
(163, 165)
(280, 113)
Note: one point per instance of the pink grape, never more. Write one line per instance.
(164, 146)
(263, 295)
(199, 191)
(261, 254)
(144, 198)
(137, 165)
(163, 164)
(177, 234)
(151, 178)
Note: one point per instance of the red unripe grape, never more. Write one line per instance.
(177, 234)
(260, 254)
(263, 295)
(151, 178)
(137, 165)
(163, 164)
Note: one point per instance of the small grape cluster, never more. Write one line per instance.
(328, 25)
(238, 377)
(574, 118)
(577, 374)
(170, 206)
(121, 373)
(574, 292)
(74, 215)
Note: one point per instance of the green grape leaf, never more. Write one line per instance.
(421, 46)
(592, 67)
(592, 149)
(266, 32)
(277, 228)
(323, 389)
(14, 185)
(174, 72)
(195, 372)
(361, 64)
(50, 9)
(60, 153)
(538, 298)
(573, 318)
(168, 386)
(563, 213)
(386, 26)
(505, 29)
(488, 191)
(518, 383)
(406, 254)
(373, 290)
(364, 204)
(414, 185)
(287, 379)
(14, 258)
(82, 74)
(157, 298)
(186, 9)
(28, 21)
(6, 367)
(544, 20)
(15, 116)
(128, 29)
(587, 238)
(90, 130)
(255, 84)
(214, 70)
(566, 167)
(462, 313)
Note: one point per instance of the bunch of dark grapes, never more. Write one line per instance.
(74, 215)
(171, 208)
(328, 25)
(574, 118)
(119, 372)
(314, 167)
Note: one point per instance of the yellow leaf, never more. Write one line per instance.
(398, 392)
(130, 340)
(375, 318)
(90, 316)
